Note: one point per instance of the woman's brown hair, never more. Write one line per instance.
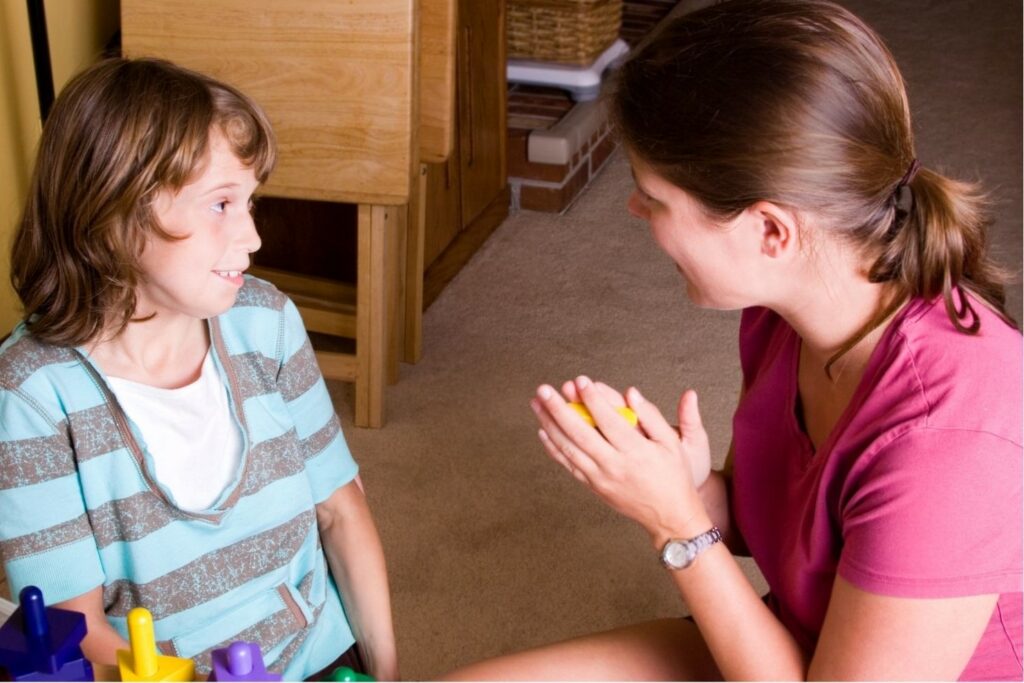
(800, 103)
(120, 132)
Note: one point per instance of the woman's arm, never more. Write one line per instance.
(875, 637)
(102, 641)
(865, 636)
(648, 475)
(746, 639)
(356, 558)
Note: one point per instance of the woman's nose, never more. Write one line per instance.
(635, 205)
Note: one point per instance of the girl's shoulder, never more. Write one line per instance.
(263, 320)
(41, 380)
(258, 308)
(23, 356)
(257, 293)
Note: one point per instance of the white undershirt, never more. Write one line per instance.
(190, 434)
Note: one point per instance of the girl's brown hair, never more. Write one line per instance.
(800, 103)
(120, 132)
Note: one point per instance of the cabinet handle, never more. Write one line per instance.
(467, 38)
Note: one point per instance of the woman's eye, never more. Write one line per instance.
(219, 207)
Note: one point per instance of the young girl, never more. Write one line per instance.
(875, 471)
(166, 438)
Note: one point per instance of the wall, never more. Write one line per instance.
(78, 32)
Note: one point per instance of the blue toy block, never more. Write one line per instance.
(240, 661)
(40, 643)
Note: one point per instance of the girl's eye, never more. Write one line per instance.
(219, 207)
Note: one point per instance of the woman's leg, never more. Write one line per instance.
(668, 649)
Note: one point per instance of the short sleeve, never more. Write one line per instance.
(329, 464)
(935, 513)
(44, 527)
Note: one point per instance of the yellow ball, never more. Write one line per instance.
(625, 412)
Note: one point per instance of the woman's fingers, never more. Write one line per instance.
(581, 444)
(651, 420)
(559, 457)
(616, 428)
(571, 394)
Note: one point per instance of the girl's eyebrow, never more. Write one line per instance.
(219, 188)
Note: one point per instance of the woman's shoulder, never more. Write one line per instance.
(963, 381)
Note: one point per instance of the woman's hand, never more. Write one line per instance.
(650, 473)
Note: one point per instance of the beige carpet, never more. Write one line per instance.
(491, 546)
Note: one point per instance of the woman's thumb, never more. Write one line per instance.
(689, 413)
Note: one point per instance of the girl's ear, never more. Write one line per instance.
(777, 229)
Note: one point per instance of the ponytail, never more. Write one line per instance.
(936, 246)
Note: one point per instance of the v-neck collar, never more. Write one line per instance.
(221, 357)
(814, 454)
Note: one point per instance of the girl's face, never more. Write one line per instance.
(718, 262)
(199, 276)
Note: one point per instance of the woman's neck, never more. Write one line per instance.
(163, 353)
(829, 308)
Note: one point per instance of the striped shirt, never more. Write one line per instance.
(80, 507)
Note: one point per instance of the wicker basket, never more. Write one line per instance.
(564, 31)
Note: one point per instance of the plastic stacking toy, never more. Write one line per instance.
(40, 643)
(142, 662)
(343, 673)
(625, 412)
(240, 661)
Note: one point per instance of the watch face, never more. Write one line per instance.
(678, 554)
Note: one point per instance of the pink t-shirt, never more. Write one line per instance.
(915, 493)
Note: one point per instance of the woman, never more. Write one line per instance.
(875, 470)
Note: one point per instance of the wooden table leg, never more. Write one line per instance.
(371, 313)
(417, 217)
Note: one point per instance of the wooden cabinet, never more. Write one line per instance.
(467, 196)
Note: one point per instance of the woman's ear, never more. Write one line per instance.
(777, 229)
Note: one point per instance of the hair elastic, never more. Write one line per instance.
(903, 194)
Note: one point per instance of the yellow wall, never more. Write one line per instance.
(78, 32)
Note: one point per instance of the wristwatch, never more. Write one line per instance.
(680, 553)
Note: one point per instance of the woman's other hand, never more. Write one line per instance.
(650, 473)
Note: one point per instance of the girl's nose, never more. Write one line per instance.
(248, 238)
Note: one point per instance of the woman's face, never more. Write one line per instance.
(719, 262)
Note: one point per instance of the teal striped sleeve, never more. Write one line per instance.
(329, 464)
(44, 528)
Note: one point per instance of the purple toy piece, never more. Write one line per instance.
(240, 661)
(40, 643)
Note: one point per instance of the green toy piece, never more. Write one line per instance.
(343, 673)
